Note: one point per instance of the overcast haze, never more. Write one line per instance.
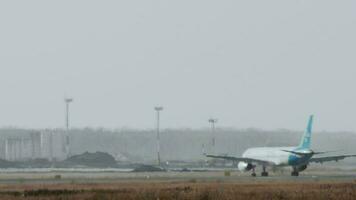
(263, 64)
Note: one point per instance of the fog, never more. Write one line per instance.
(264, 64)
(139, 146)
(259, 67)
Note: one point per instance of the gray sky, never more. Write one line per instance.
(264, 64)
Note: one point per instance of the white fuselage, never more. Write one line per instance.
(275, 155)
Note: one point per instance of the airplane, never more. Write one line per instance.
(298, 157)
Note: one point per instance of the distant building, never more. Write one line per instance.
(53, 145)
(29, 145)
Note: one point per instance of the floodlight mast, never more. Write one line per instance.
(67, 102)
(212, 122)
(158, 109)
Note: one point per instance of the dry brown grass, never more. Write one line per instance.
(182, 191)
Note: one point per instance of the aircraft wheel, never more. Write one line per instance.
(264, 174)
(294, 173)
(253, 174)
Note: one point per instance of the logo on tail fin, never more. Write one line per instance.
(306, 140)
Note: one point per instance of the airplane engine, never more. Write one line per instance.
(302, 168)
(244, 167)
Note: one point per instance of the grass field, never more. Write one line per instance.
(315, 185)
(186, 190)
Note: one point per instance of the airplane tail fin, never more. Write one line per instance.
(306, 139)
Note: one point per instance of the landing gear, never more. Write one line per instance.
(253, 172)
(264, 172)
(295, 172)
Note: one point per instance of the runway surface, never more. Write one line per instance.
(53, 177)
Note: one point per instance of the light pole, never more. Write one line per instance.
(67, 102)
(213, 122)
(158, 109)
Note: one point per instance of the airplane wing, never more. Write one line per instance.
(330, 158)
(240, 159)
